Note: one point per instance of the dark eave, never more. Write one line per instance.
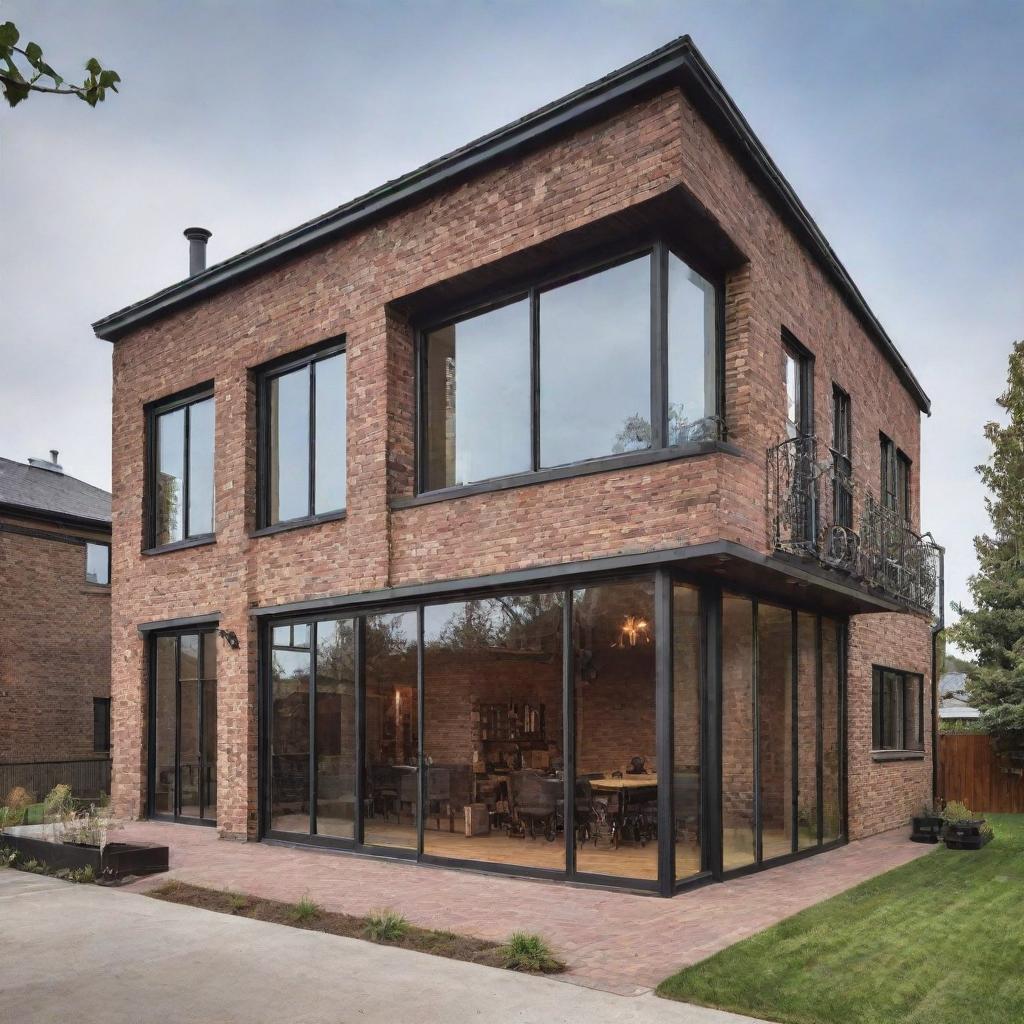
(679, 64)
(43, 515)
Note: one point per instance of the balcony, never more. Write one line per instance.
(811, 504)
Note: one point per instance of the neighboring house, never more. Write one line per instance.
(563, 488)
(953, 703)
(54, 629)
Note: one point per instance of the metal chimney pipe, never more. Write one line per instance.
(197, 239)
(53, 455)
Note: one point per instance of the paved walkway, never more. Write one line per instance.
(87, 955)
(613, 941)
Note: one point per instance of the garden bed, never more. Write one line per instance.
(41, 843)
(312, 918)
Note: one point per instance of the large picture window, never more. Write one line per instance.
(898, 710)
(181, 475)
(303, 437)
(620, 358)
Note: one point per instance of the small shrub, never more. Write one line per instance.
(305, 910)
(19, 798)
(385, 925)
(987, 831)
(34, 866)
(526, 952)
(956, 812)
(8, 857)
(84, 876)
(238, 901)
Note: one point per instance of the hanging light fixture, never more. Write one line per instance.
(635, 632)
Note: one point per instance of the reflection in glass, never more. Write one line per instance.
(595, 365)
(97, 564)
(289, 739)
(170, 476)
(200, 468)
(335, 728)
(691, 354)
(686, 709)
(289, 445)
(616, 767)
(830, 748)
(209, 794)
(775, 733)
(478, 397)
(331, 427)
(188, 725)
(165, 711)
(493, 730)
(392, 731)
(807, 732)
(737, 733)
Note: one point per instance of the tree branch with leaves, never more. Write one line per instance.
(23, 72)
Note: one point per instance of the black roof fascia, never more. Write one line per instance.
(679, 63)
(58, 518)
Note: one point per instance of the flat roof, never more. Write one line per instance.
(678, 64)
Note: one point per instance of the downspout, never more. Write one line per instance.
(937, 627)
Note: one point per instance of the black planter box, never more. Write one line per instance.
(926, 829)
(115, 860)
(965, 835)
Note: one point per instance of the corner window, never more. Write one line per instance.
(895, 482)
(101, 724)
(303, 436)
(181, 476)
(97, 564)
(898, 710)
(571, 370)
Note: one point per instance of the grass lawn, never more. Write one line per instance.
(940, 940)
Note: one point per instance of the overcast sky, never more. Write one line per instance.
(901, 126)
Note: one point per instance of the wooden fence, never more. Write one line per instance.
(970, 772)
(86, 778)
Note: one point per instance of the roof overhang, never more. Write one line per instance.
(679, 64)
(56, 518)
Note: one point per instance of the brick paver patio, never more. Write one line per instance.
(614, 941)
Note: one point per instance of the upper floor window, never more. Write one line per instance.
(842, 458)
(799, 377)
(571, 370)
(303, 404)
(895, 483)
(181, 481)
(97, 564)
(101, 724)
(898, 710)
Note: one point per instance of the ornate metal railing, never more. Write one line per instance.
(810, 504)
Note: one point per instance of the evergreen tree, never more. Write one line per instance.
(994, 628)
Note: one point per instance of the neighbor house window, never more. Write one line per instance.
(895, 483)
(842, 458)
(572, 370)
(97, 564)
(181, 488)
(898, 707)
(101, 723)
(303, 442)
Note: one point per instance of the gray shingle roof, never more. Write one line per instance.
(45, 491)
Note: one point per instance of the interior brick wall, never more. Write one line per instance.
(54, 645)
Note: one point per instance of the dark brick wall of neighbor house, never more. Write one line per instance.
(349, 287)
(54, 645)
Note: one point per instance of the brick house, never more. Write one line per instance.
(54, 629)
(552, 509)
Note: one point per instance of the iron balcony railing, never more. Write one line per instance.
(811, 502)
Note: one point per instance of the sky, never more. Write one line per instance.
(899, 124)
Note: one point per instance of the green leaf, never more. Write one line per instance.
(14, 92)
(92, 65)
(108, 78)
(33, 52)
(50, 73)
(9, 35)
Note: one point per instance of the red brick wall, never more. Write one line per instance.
(54, 645)
(347, 287)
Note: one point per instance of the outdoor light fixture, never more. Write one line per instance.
(635, 631)
(229, 637)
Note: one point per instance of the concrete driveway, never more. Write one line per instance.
(100, 956)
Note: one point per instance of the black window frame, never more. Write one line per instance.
(657, 250)
(878, 718)
(180, 400)
(842, 457)
(101, 718)
(97, 544)
(264, 375)
(903, 474)
(803, 357)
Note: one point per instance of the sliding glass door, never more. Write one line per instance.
(183, 727)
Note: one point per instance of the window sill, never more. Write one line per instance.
(897, 755)
(605, 464)
(181, 545)
(299, 524)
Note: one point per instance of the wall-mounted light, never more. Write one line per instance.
(635, 632)
(229, 637)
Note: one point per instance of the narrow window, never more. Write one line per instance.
(798, 377)
(304, 437)
(182, 485)
(888, 483)
(101, 724)
(97, 564)
(898, 710)
(842, 458)
(903, 486)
